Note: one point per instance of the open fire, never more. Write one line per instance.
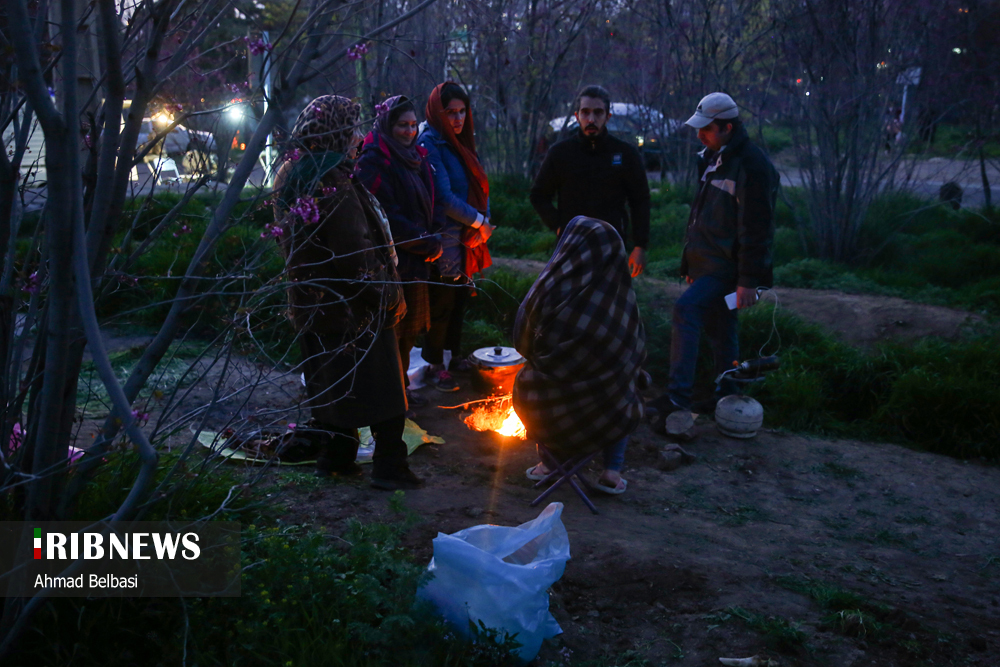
(497, 416)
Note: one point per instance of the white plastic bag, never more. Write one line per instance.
(501, 575)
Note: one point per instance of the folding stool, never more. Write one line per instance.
(564, 472)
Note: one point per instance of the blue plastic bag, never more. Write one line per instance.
(501, 575)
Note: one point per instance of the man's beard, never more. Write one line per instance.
(591, 127)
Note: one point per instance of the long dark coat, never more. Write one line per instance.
(344, 299)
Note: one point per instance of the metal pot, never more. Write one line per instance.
(494, 369)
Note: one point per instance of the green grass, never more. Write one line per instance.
(778, 633)
(909, 248)
(509, 205)
(955, 141)
(145, 290)
(308, 597)
(850, 613)
(933, 393)
(174, 371)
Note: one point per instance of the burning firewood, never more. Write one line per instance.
(498, 416)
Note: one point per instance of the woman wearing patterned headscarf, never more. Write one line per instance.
(460, 182)
(345, 296)
(395, 170)
(580, 332)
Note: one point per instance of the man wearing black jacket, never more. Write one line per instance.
(593, 173)
(727, 249)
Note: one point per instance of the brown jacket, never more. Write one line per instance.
(343, 278)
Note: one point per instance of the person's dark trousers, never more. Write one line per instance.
(390, 450)
(456, 322)
(406, 343)
(701, 307)
(337, 451)
(447, 301)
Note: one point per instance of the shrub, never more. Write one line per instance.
(939, 395)
(775, 138)
(787, 246)
(512, 242)
(818, 274)
(509, 204)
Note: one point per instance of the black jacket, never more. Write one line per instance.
(731, 228)
(594, 178)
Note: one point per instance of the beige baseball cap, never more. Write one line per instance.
(712, 106)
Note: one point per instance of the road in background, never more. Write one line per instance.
(923, 178)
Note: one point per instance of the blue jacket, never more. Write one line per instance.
(451, 188)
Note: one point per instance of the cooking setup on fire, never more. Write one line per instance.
(493, 373)
(494, 370)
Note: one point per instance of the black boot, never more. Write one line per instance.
(389, 468)
(338, 451)
(392, 477)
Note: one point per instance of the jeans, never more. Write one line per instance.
(701, 307)
(614, 455)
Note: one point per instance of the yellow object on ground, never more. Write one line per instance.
(413, 436)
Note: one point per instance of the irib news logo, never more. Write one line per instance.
(130, 546)
(120, 559)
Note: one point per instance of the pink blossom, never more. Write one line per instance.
(357, 52)
(293, 155)
(257, 46)
(31, 284)
(306, 208)
(16, 437)
(381, 108)
(184, 229)
(328, 191)
(291, 426)
(272, 231)
(142, 417)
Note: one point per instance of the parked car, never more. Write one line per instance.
(194, 148)
(644, 127)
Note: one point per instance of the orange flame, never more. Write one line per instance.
(496, 417)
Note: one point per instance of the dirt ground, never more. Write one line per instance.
(810, 551)
(712, 559)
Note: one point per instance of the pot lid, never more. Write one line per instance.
(496, 357)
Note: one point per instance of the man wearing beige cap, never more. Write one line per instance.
(727, 249)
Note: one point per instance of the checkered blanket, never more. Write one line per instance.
(580, 332)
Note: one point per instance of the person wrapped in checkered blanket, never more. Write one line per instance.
(579, 330)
